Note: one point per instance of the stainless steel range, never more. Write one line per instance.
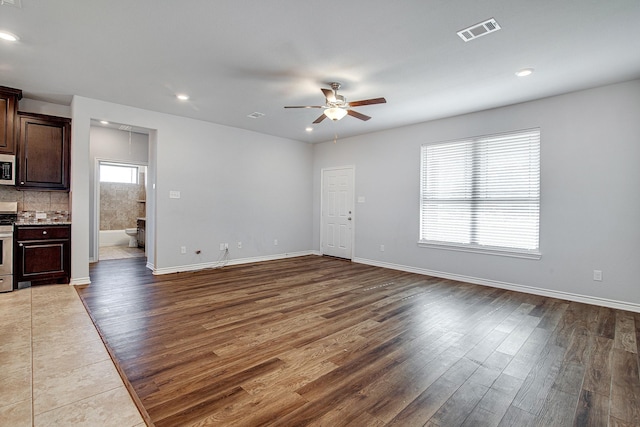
(8, 216)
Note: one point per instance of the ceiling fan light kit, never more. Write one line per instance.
(335, 113)
(336, 106)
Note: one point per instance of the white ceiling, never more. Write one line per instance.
(236, 57)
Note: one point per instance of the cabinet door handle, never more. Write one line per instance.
(20, 244)
(44, 232)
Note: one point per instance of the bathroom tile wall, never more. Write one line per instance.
(120, 205)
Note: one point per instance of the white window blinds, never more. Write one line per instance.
(482, 193)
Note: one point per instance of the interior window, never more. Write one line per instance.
(482, 194)
(111, 172)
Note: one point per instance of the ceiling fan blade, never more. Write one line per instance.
(358, 115)
(304, 106)
(367, 102)
(319, 119)
(329, 94)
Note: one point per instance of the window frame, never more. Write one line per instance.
(475, 247)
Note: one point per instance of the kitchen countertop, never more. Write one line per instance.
(35, 223)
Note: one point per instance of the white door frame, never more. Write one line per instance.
(353, 221)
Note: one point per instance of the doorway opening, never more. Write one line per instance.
(120, 202)
(122, 209)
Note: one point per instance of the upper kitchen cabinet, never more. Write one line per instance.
(9, 98)
(43, 154)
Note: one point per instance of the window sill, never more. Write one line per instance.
(480, 250)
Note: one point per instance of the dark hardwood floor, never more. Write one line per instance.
(325, 342)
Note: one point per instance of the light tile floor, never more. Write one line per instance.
(55, 370)
(119, 252)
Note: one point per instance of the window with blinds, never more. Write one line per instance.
(482, 194)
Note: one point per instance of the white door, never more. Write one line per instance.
(337, 212)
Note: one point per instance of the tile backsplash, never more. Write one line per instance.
(49, 217)
(40, 201)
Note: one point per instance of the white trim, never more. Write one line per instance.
(479, 250)
(353, 206)
(619, 305)
(80, 281)
(208, 265)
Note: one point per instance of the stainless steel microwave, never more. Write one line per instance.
(7, 169)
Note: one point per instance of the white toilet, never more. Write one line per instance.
(133, 237)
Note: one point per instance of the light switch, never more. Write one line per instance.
(174, 194)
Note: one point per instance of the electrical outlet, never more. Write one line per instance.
(597, 275)
(275, 242)
(381, 248)
(239, 245)
(183, 249)
(173, 194)
(222, 246)
(226, 246)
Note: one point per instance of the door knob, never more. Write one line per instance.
(349, 218)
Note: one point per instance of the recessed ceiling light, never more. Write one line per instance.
(5, 35)
(309, 129)
(524, 72)
(182, 97)
(104, 122)
(14, 3)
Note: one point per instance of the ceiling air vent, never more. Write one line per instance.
(256, 115)
(479, 30)
(125, 127)
(14, 3)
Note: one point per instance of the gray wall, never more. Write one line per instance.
(590, 203)
(242, 186)
(235, 185)
(114, 145)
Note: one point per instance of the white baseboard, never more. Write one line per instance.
(204, 266)
(80, 281)
(620, 305)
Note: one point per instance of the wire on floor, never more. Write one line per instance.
(222, 261)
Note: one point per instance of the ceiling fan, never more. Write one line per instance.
(336, 106)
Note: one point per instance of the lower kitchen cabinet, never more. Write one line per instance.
(42, 254)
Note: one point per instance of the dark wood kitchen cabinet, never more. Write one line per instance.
(43, 152)
(42, 254)
(9, 98)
